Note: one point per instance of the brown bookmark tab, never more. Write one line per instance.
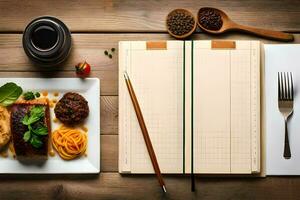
(156, 45)
(222, 44)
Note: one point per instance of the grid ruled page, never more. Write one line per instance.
(240, 111)
(222, 109)
(211, 111)
(156, 76)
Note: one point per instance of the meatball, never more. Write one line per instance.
(71, 109)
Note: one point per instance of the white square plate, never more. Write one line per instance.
(89, 88)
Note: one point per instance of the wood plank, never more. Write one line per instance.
(109, 153)
(114, 186)
(109, 115)
(144, 15)
(108, 80)
(89, 47)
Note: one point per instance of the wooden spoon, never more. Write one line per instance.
(229, 25)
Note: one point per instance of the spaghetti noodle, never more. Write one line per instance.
(69, 143)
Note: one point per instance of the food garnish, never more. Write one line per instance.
(71, 109)
(45, 93)
(4, 154)
(51, 153)
(69, 142)
(36, 128)
(30, 95)
(84, 128)
(12, 149)
(109, 54)
(9, 93)
(5, 133)
(51, 105)
(83, 69)
(37, 95)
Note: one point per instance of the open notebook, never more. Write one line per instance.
(201, 105)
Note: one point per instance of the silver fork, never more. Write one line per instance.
(286, 104)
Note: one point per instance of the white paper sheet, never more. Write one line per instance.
(281, 58)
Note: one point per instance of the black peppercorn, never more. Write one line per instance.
(210, 19)
(180, 22)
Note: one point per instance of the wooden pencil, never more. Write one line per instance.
(142, 124)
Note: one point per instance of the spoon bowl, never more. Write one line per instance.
(229, 25)
(227, 22)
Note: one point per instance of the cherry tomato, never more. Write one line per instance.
(83, 69)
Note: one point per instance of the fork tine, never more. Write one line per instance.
(282, 86)
(292, 86)
(279, 85)
(285, 86)
(288, 86)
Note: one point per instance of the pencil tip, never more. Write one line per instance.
(126, 75)
(164, 189)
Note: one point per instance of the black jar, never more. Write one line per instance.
(47, 41)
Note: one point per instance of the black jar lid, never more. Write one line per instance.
(54, 54)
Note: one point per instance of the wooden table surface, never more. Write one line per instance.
(97, 26)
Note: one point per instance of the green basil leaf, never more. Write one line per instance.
(7, 102)
(37, 94)
(28, 96)
(9, 93)
(27, 136)
(36, 113)
(6, 90)
(35, 127)
(25, 120)
(41, 130)
(16, 94)
(36, 142)
(32, 119)
(30, 127)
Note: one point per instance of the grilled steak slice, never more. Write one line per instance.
(24, 150)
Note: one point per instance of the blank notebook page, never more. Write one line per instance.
(156, 76)
(222, 108)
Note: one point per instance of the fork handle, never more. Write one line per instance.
(287, 150)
